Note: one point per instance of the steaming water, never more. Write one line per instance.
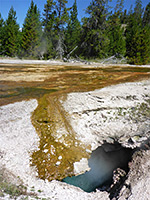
(102, 163)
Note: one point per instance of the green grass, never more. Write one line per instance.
(7, 187)
(11, 189)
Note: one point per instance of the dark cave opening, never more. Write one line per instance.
(103, 163)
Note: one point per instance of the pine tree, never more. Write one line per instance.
(54, 21)
(1, 34)
(146, 35)
(73, 30)
(133, 40)
(146, 17)
(32, 32)
(94, 38)
(119, 7)
(48, 23)
(117, 44)
(124, 17)
(10, 38)
(138, 11)
(137, 37)
(145, 45)
(60, 22)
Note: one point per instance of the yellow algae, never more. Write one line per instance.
(58, 148)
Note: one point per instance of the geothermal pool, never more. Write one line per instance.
(102, 162)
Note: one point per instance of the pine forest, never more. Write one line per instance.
(57, 33)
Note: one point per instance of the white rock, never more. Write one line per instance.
(58, 163)
(81, 166)
(60, 157)
(45, 150)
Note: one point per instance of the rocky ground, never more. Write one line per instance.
(120, 112)
(117, 113)
(137, 185)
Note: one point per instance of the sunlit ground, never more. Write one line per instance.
(47, 83)
(18, 82)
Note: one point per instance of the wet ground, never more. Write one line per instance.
(49, 83)
(18, 81)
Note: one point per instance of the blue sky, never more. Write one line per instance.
(21, 7)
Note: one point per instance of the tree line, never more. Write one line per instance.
(57, 32)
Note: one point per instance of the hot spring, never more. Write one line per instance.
(103, 161)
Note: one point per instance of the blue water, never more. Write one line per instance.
(103, 161)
